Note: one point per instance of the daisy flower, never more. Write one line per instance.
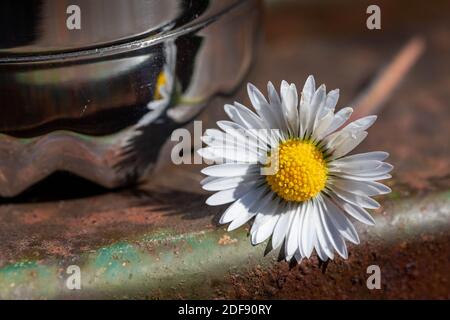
(307, 201)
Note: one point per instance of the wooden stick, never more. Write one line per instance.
(371, 100)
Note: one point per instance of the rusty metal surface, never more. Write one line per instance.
(410, 244)
(167, 244)
(149, 251)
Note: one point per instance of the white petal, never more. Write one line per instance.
(243, 116)
(361, 124)
(331, 100)
(305, 104)
(265, 230)
(358, 187)
(292, 237)
(381, 188)
(242, 134)
(232, 154)
(322, 126)
(325, 245)
(355, 199)
(341, 222)
(289, 102)
(282, 226)
(207, 180)
(214, 133)
(348, 145)
(208, 155)
(338, 138)
(358, 213)
(230, 170)
(320, 252)
(247, 119)
(374, 155)
(233, 136)
(242, 205)
(384, 168)
(298, 256)
(229, 145)
(339, 119)
(354, 167)
(242, 219)
(300, 228)
(253, 210)
(317, 106)
(265, 222)
(262, 107)
(319, 249)
(364, 178)
(333, 235)
(263, 202)
(308, 232)
(380, 173)
(304, 114)
(274, 98)
(310, 116)
(217, 184)
(308, 90)
(266, 212)
(230, 195)
(275, 105)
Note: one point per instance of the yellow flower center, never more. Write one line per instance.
(302, 171)
(161, 81)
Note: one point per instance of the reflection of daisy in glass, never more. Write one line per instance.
(307, 201)
(161, 91)
(168, 98)
(163, 87)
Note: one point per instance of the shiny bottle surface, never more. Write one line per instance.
(101, 100)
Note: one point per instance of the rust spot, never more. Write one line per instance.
(36, 216)
(226, 240)
(417, 271)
